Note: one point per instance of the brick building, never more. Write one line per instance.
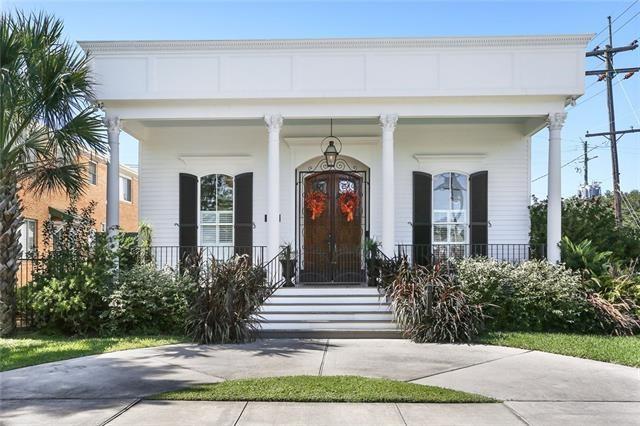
(39, 209)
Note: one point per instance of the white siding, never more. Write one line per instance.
(501, 149)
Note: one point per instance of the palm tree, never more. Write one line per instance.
(46, 121)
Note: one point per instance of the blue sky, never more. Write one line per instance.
(121, 20)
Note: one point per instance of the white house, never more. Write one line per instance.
(433, 136)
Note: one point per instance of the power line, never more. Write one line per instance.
(629, 20)
(566, 164)
(608, 75)
(614, 20)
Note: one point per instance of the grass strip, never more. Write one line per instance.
(33, 348)
(624, 350)
(320, 389)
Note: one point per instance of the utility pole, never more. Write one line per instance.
(585, 146)
(606, 55)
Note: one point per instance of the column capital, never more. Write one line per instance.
(112, 123)
(274, 122)
(388, 121)
(555, 120)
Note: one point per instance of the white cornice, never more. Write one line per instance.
(571, 40)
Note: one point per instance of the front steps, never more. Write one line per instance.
(338, 312)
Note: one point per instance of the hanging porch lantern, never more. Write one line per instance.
(333, 148)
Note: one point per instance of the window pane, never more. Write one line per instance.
(440, 216)
(125, 188)
(31, 235)
(346, 186)
(128, 191)
(208, 193)
(226, 234)
(457, 216)
(457, 233)
(226, 217)
(225, 192)
(93, 176)
(441, 192)
(208, 217)
(209, 235)
(458, 191)
(440, 233)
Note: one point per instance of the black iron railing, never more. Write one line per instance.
(426, 254)
(172, 256)
(279, 271)
(24, 290)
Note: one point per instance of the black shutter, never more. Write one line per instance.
(421, 218)
(243, 213)
(188, 214)
(478, 190)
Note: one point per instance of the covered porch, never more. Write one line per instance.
(429, 188)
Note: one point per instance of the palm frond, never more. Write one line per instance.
(46, 116)
(70, 178)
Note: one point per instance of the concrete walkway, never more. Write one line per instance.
(537, 388)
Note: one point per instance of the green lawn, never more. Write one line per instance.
(623, 350)
(34, 348)
(320, 389)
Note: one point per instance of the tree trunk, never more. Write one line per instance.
(10, 248)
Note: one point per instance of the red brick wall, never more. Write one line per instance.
(37, 207)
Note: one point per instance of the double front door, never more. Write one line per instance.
(332, 228)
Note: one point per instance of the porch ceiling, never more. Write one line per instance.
(296, 127)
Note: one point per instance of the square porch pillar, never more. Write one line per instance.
(388, 123)
(274, 124)
(555, 121)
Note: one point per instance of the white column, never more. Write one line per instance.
(274, 124)
(555, 122)
(388, 123)
(113, 176)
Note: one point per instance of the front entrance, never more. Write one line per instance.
(333, 207)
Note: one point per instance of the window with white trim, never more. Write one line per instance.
(28, 237)
(125, 188)
(92, 172)
(450, 208)
(216, 210)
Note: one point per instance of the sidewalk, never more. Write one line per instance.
(537, 388)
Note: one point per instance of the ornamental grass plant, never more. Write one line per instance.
(225, 303)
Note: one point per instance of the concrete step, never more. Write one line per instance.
(328, 325)
(327, 316)
(328, 312)
(325, 299)
(327, 291)
(331, 334)
(325, 307)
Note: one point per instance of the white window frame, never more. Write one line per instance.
(93, 177)
(217, 224)
(467, 212)
(121, 189)
(24, 237)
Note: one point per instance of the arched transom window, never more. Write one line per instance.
(216, 210)
(450, 208)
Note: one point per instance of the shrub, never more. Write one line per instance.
(612, 279)
(430, 307)
(147, 300)
(532, 296)
(224, 307)
(618, 319)
(72, 280)
(593, 220)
